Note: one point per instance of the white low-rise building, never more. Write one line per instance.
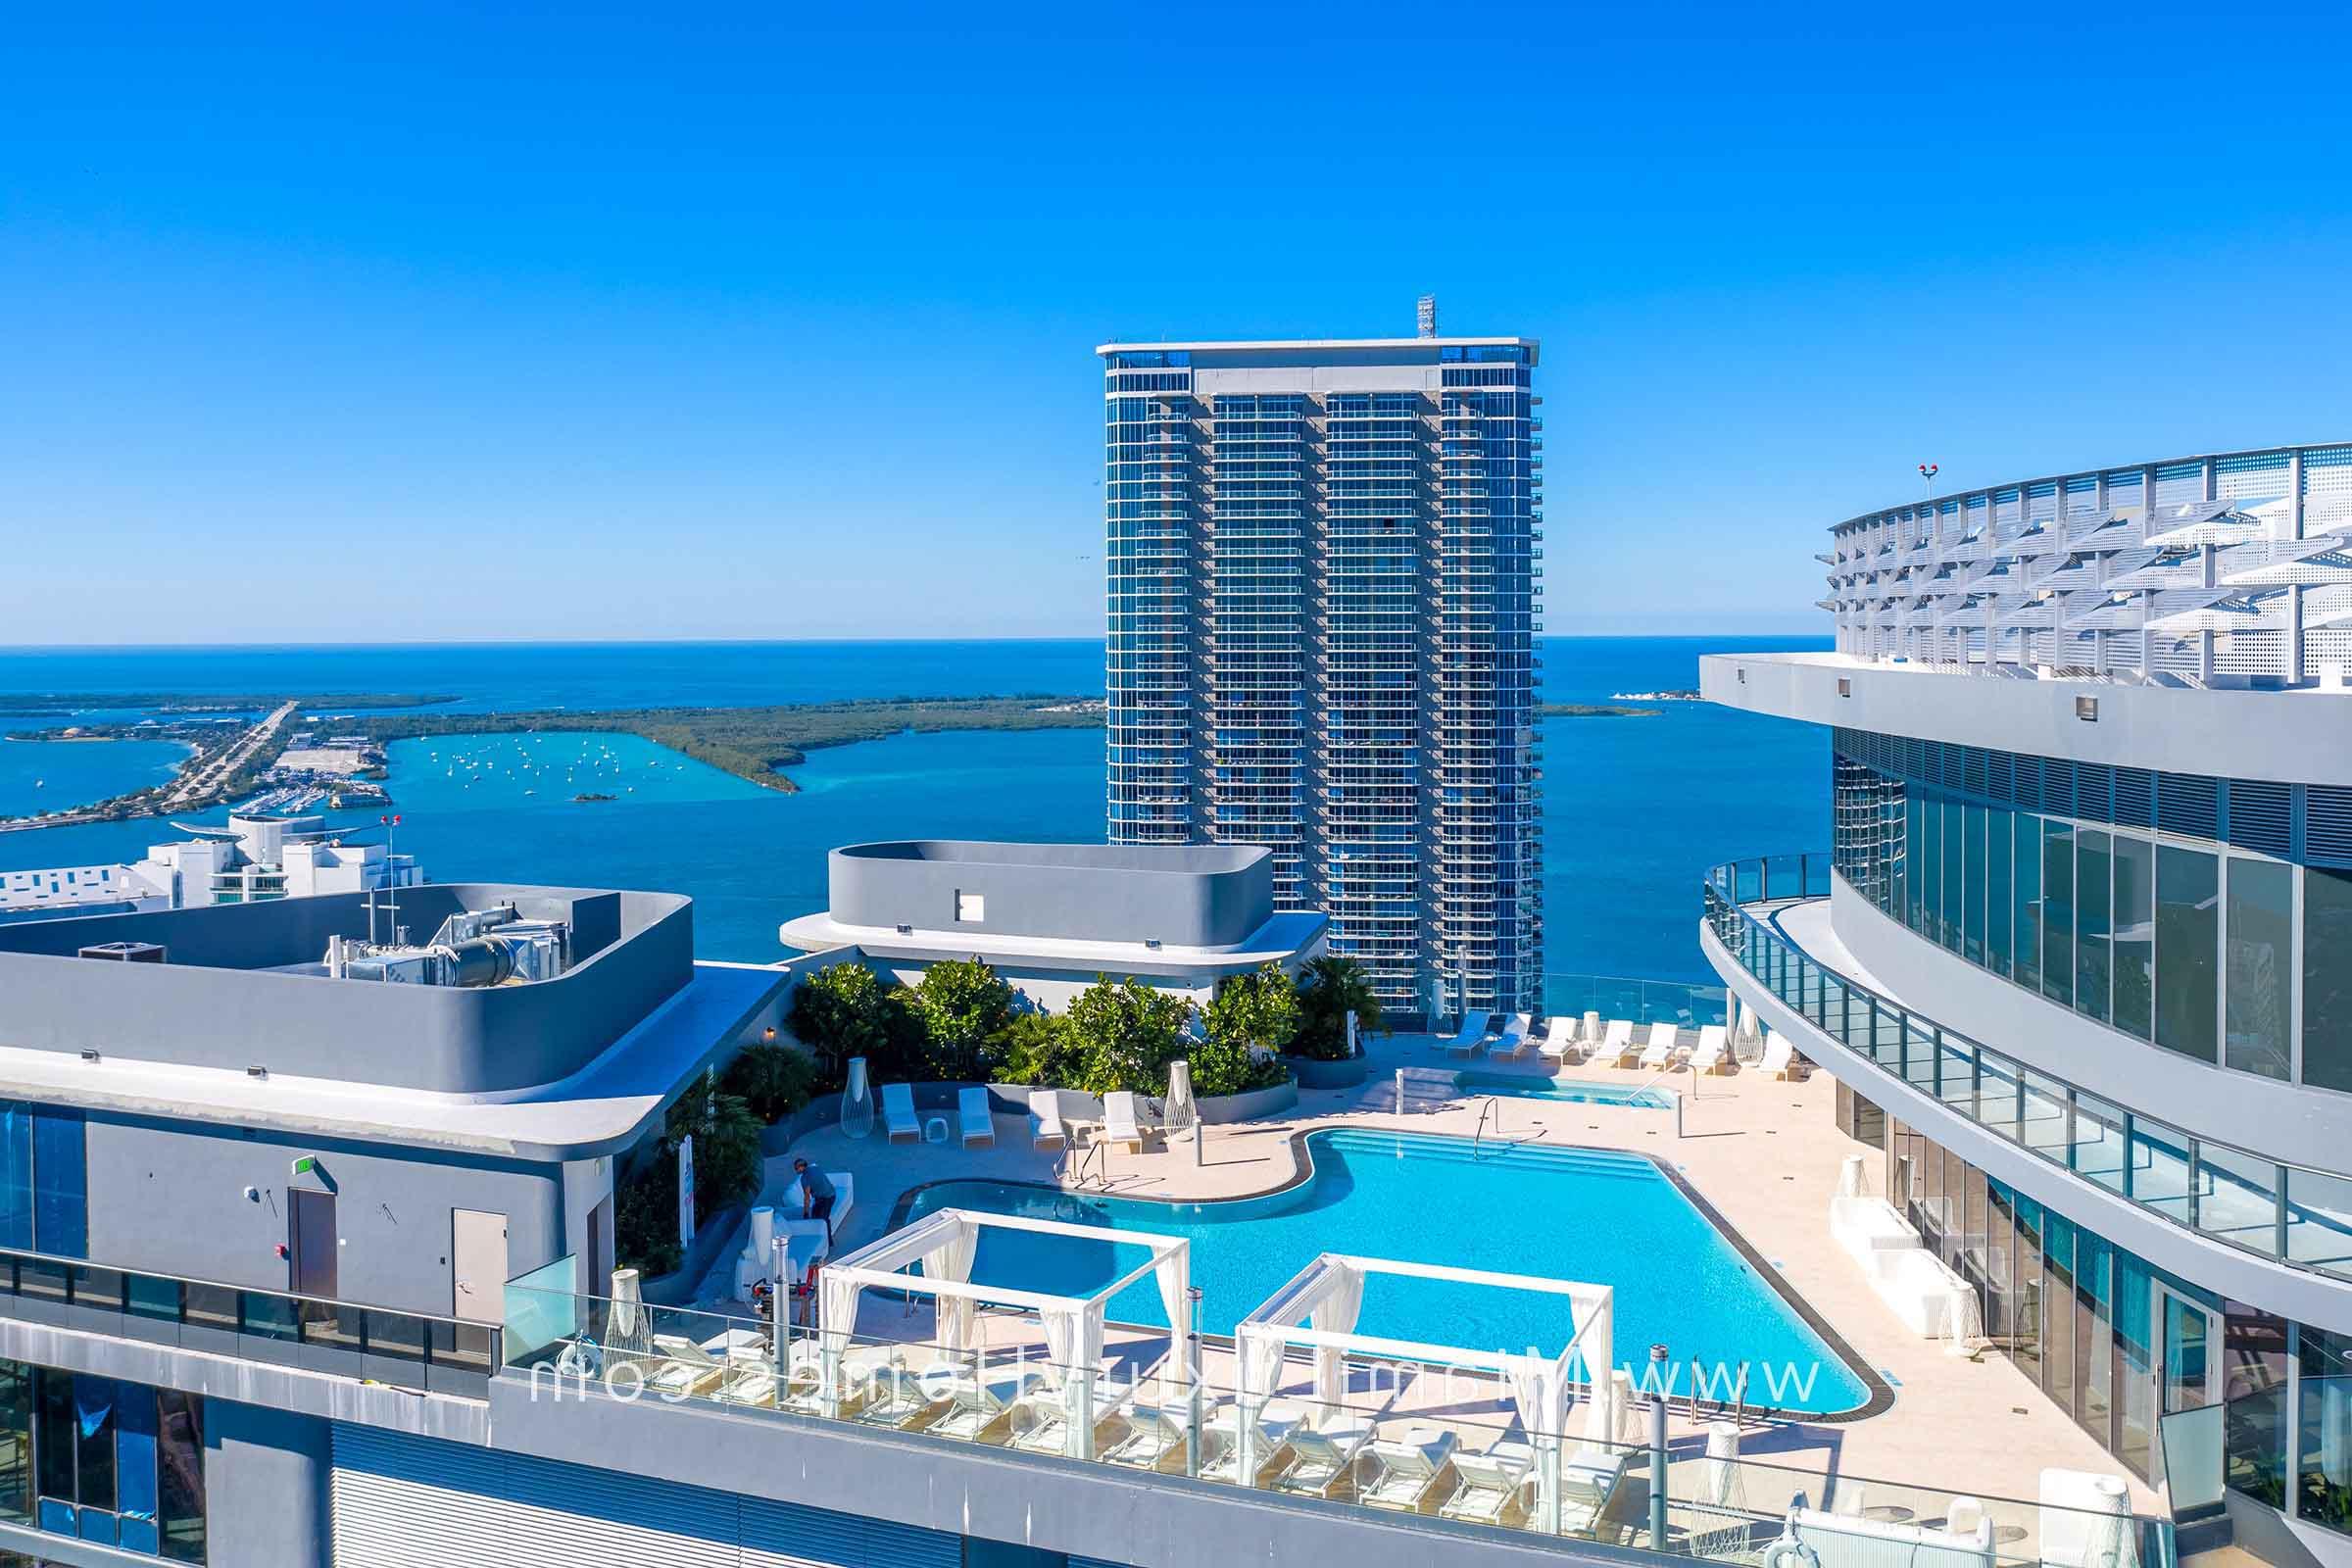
(253, 860)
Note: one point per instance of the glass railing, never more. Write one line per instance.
(410, 1349)
(2290, 1214)
(1645, 1001)
(1411, 1438)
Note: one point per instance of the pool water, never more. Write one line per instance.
(1577, 1091)
(1557, 1213)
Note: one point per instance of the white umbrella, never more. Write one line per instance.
(1181, 1112)
(857, 1102)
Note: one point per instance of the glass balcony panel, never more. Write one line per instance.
(2159, 1171)
(2319, 1220)
(2237, 1198)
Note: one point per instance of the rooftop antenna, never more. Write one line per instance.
(1425, 312)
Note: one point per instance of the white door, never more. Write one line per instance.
(478, 1254)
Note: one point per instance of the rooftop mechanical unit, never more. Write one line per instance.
(125, 952)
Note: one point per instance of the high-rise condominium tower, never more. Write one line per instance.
(1322, 589)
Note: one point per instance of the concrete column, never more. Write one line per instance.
(264, 1480)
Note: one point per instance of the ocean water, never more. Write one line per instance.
(52, 775)
(1677, 1280)
(1635, 808)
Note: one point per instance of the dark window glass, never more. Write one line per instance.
(2058, 909)
(2187, 940)
(2028, 899)
(2259, 949)
(15, 1440)
(2327, 978)
(1955, 879)
(1931, 865)
(1998, 910)
(1972, 903)
(16, 1174)
(179, 1457)
(53, 1439)
(2324, 1490)
(2090, 921)
(2058, 1312)
(2134, 1361)
(2253, 1374)
(61, 1205)
(94, 1440)
(2094, 1348)
(2134, 921)
(2025, 1334)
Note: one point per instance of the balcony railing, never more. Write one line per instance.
(417, 1350)
(1461, 1459)
(2288, 1214)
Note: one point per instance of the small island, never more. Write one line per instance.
(1592, 711)
(1677, 695)
(758, 742)
(592, 795)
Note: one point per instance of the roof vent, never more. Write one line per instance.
(257, 1071)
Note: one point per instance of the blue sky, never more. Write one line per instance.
(775, 323)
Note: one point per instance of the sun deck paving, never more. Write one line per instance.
(1765, 1155)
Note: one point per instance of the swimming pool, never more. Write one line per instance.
(1577, 1091)
(1561, 1213)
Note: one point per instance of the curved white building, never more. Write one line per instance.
(2081, 957)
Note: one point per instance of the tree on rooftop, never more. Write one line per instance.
(965, 1007)
(1329, 989)
(1125, 1034)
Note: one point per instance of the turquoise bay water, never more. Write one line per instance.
(53, 775)
(1635, 808)
(1554, 1213)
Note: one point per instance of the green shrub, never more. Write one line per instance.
(965, 1007)
(645, 1220)
(773, 1080)
(1125, 1036)
(1040, 1050)
(843, 1011)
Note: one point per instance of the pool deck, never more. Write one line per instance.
(1765, 1155)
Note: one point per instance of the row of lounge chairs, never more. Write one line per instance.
(1123, 1122)
(1425, 1469)
(1661, 1051)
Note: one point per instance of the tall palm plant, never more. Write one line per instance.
(1329, 989)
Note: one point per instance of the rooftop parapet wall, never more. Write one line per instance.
(216, 1004)
(1193, 895)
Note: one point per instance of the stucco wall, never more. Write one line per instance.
(1206, 897)
(170, 1198)
(195, 1011)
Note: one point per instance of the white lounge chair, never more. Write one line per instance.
(1560, 1040)
(1155, 1439)
(889, 1396)
(1780, 1057)
(1659, 1052)
(1402, 1475)
(679, 1368)
(898, 1114)
(1588, 1480)
(973, 1114)
(1710, 1054)
(1490, 1487)
(1616, 1044)
(1473, 1035)
(1513, 1039)
(1039, 1420)
(1119, 1123)
(974, 1400)
(1321, 1459)
(1046, 1133)
(1222, 1443)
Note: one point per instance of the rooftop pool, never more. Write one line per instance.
(1597, 1218)
(1577, 1091)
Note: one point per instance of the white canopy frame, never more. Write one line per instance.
(945, 1241)
(1319, 1307)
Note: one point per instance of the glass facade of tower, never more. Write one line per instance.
(1322, 589)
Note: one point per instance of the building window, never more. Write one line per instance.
(2188, 937)
(2327, 978)
(113, 1462)
(2323, 1487)
(2258, 963)
(971, 905)
(2135, 934)
(44, 1201)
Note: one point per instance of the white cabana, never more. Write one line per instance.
(1318, 1309)
(946, 1242)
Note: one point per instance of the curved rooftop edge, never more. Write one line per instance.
(1208, 898)
(2293, 736)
